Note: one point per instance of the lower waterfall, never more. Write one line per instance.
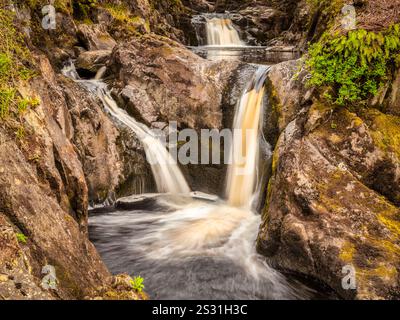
(193, 248)
(242, 173)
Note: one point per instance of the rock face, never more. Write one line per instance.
(333, 196)
(261, 23)
(159, 82)
(163, 81)
(70, 153)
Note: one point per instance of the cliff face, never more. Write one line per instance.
(333, 197)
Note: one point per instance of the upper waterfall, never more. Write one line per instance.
(242, 173)
(221, 32)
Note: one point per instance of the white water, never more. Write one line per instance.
(192, 249)
(167, 175)
(221, 32)
(242, 173)
(188, 249)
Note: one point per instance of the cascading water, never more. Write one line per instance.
(242, 173)
(220, 32)
(191, 249)
(187, 248)
(167, 175)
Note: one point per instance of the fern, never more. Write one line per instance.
(354, 66)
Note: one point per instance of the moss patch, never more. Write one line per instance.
(15, 67)
(385, 130)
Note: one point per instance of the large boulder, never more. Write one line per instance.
(333, 197)
(92, 61)
(163, 81)
(95, 37)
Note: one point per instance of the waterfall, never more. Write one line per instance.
(242, 173)
(168, 176)
(220, 32)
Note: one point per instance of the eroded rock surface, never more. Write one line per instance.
(333, 196)
(163, 81)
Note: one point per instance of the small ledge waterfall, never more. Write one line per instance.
(167, 175)
(220, 32)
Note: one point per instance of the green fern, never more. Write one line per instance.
(354, 66)
(137, 284)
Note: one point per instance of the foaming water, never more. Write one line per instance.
(167, 175)
(191, 250)
(242, 173)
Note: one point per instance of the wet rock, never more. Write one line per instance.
(288, 96)
(95, 37)
(92, 61)
(327, 206)
(262, 23)
(163, 81)
(199, 5)
(392, 103)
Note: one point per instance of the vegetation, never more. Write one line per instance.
(355, 66)
(82, 8)
(137, 284)
(14, 67)
(21, 238)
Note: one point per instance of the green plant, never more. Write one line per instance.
(82, 8)
(14, 62)
(20, 133)
(7, 95)
(24, 103)
(137, 284)
(21, 238)
(354, 66)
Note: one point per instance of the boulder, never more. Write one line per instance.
(92, 61)
(262, 23)
(333, 197)
(163, 81)
(95, 37)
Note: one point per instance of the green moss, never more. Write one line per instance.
(14, 65)
(21, 238)
(385, 131)
(347, 252)
(275, 159)
(354, 66)
(123, 17)
(82, 8)
(390, 223)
